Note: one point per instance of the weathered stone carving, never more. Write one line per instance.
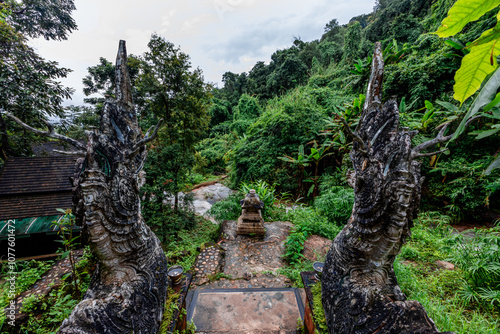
(128, 289)
(251, 220)
(360, 292)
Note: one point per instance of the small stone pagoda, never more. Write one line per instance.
(251, 220)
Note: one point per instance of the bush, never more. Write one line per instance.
(336, 204)
(288, 122)
(185, 248)
(227, 209)
(307, 221)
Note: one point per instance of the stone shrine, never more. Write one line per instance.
(251, 220)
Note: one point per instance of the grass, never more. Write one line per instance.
(28, 273)
(186, 247)
(441, 291)
(46, 313)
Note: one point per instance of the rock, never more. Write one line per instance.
(316, 247)
(445, 265)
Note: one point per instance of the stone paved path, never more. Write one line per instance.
(240, 261)
(248, 264)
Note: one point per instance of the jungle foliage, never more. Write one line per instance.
(288, 131)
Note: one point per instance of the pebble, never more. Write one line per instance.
(243, 255)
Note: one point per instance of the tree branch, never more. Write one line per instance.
(147, 138)
(430, 154)
(415, 153)
(355, 137)
(50, 133)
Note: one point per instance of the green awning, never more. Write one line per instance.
(26, 226)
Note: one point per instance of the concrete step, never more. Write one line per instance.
(264, 310)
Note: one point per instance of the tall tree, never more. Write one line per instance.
(28, 83)
(352, 41)
(101, 81)
(178, 95)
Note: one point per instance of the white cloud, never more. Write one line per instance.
(219, 35)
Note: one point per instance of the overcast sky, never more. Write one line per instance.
(218, 35)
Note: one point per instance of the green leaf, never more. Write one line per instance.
(455, 44)
(484, 97)
(463, 12)
(495, 164)
(310, 190)
(402, 106)
(448, 106)
(488, 36)
(342, 137)
(427, 115)
(428, 105)
(493, 103)
(475, 68)
(487, 133)
(301, 150)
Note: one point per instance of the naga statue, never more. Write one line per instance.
(128, 289)
(360, 293)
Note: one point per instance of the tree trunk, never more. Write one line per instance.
(5, 150)
(128, 289)
(360, 292)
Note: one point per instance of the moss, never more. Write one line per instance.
(170, 308)
(318, 311)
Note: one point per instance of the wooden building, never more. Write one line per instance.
(31, 189)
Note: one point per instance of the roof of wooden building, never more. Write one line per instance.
(35, 186)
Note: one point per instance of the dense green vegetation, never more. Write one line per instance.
(294, 141)
(287, 132)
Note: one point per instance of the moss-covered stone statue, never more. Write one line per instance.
(251, 221)
(360, 292)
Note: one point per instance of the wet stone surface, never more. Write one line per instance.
(246, 311)
(259, 280)
(243, 298)
(245, 261)
(208, 263)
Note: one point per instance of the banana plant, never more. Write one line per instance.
(392, 53)
(317, 154)
(301, 162)
(479, 63)
(360, 73)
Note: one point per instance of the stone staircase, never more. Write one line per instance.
(236, 288)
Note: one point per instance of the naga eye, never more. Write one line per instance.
(103, 162)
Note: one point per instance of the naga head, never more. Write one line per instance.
(387, 178)
(113, 161)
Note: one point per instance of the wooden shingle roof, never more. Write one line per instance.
(29, 175)
(35, 186)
